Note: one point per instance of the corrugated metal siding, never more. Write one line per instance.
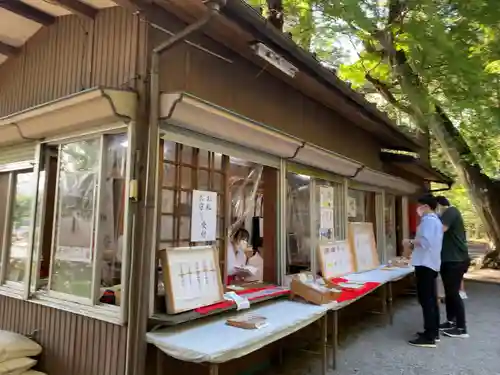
(73, 344)
(72, 55)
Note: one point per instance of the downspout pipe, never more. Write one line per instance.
(136, 347)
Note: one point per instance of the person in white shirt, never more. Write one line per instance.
(257, 262)
(235, 256)
(426, 258)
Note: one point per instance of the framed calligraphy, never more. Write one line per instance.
(192, 277)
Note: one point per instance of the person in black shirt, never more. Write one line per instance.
(455, 262)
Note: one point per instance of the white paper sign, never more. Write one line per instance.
(326, 196)
(337, 259)
(326, 218)
(204, 216)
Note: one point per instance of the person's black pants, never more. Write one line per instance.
(452, 274)
(427, 297)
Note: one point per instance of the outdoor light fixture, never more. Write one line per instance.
(266, 53)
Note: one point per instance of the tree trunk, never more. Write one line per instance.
(492, 260)
(276, 15)
(426, 112)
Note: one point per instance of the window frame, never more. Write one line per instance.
(29, 289)
(379, 225)
(96, 250)
(390, 208)
(317, 178)
(347, 184)
(7, 232)
(9, 287)
(193, 139)
(339, 189)
(290, 169)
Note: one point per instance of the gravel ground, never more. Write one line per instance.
(372, 348)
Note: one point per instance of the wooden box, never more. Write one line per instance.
(310, 294)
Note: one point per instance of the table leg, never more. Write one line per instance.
(324, 345)
(383, 290)
(335, 338)
(390, 306)
(159, 362)
(214, 369)
(280, 353)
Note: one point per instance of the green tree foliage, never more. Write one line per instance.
(432, 65)
(22, 210)
(458, 195)
(309, 29)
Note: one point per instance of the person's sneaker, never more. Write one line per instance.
(456, 332)
(420, 334)
(447, 325)
(423, 342)
(463, 295)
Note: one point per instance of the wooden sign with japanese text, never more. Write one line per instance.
(336, 259)
(204, 216)
(364, 247)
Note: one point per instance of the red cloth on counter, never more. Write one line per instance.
(226, 304)
(349, 294)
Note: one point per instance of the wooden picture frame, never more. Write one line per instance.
(332, 259)
(363, 245)
(192, 277)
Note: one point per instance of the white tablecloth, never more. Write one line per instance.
(378, 275)
(211, 340)
(381, 275)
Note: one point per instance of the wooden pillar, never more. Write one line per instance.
(140, 255)
(270, 249)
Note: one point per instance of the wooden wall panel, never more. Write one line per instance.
(70, 56)
(253, 92)
(73, 344)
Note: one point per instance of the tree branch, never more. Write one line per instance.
(395, 11)
(385, 91)
(398, 9)
(461, 145)
(276, 13)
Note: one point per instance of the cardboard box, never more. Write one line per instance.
(312, 295)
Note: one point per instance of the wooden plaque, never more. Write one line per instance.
(336, 259)
(192, 277)
(363, 245)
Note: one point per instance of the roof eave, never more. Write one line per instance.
(248, 18)
(407, 160)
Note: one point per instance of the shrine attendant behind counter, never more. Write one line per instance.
(236, 255)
